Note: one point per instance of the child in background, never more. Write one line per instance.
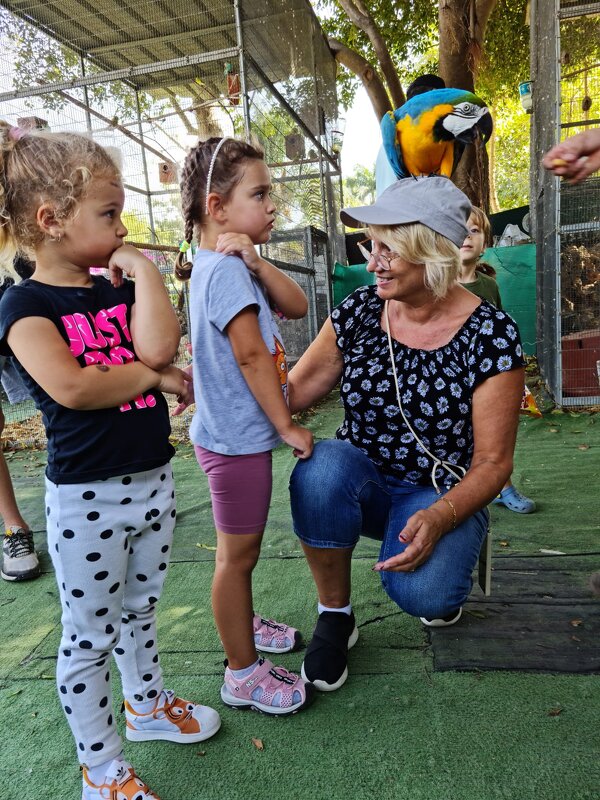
(474, 278)
(240, 373)
(95, 355)
(20, 561)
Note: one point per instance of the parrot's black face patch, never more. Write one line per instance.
(441, 134)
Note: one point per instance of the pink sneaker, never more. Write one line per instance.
(274, 637)
(272, 690)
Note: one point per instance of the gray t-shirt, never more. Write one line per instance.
(228, 419)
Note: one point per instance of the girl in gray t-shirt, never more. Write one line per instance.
(240, 383)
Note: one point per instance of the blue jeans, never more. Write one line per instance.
(338, 495)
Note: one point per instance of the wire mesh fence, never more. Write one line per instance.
(149, 79)
(566, 67)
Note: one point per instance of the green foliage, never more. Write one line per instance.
(359, 188)
(512, 154)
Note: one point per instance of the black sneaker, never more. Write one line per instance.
(326, 662)
(19, 559)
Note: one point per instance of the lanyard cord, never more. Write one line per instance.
(437, 462)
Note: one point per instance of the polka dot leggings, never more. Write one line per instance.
(109, 542)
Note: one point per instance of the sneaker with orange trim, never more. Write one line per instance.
(173, 720)
(120, 783)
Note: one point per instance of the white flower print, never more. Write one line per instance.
(383, 386)
(421, 424)
(384, 452)
(442, 405)
(366, 385)
(385, 438)
(356, 372)
(486, 365)
(400, 453)
(354, 398)
(345, 387)
(519, 350)
(487, 327)
(504, 363)
(440, 440)
(500, 343)
(412, 379)
(371, 430)
(422, 388)
(439, 384)
(391, 411)
(455, 390)
(444, 423)
(370, 416)
(376, 401)
(426, 409)
(406, 438)
(511, 332)
(422, 461)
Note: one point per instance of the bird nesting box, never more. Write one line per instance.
(294, 146)
(32, 123)
(167, 172)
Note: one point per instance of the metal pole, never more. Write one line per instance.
(239, 32)
(145, 165)
(88, 116)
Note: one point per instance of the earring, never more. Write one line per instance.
(56, 239)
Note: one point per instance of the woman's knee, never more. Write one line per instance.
(420, 597)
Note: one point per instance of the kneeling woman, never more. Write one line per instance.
(431, 382)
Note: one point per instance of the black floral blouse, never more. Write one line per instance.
(436, 387)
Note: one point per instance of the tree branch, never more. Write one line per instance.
(360, 16)
(367, 74)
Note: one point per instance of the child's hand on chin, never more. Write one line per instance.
(241, 245)
(125, 260)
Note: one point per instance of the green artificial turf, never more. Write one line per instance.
(398, 729)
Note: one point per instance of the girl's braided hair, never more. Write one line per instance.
(226, 174)
(39, 167)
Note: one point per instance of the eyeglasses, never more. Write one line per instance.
(383, 262)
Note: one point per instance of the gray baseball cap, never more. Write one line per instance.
(433, 201)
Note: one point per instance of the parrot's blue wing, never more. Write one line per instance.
(392, 150)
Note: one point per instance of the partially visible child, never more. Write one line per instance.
(240, 374)
(20, 560)
(95, 355)
(475, 276)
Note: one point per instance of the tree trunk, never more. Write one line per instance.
(461, 36)
(360, 16)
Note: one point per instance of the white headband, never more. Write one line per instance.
(210, 169)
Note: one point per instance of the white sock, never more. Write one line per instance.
(98, 773)
(143, 708)
(345, 610)
(240, 674)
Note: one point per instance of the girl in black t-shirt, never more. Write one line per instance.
(95, 355)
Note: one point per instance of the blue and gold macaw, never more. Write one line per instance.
(427, 135)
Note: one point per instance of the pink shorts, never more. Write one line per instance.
(240, 489)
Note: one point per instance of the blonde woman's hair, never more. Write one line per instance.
(418, 244)
(38, 167)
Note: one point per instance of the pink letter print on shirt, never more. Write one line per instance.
(90, 335)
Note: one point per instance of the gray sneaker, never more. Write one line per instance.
(19, 559)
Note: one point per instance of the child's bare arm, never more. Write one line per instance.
(257, 366)
(154, 326)
(283, 291)
(44, 354)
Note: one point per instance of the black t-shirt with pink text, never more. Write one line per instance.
(95, 323)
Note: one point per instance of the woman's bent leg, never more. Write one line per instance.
(441, 585)
(336, 496)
